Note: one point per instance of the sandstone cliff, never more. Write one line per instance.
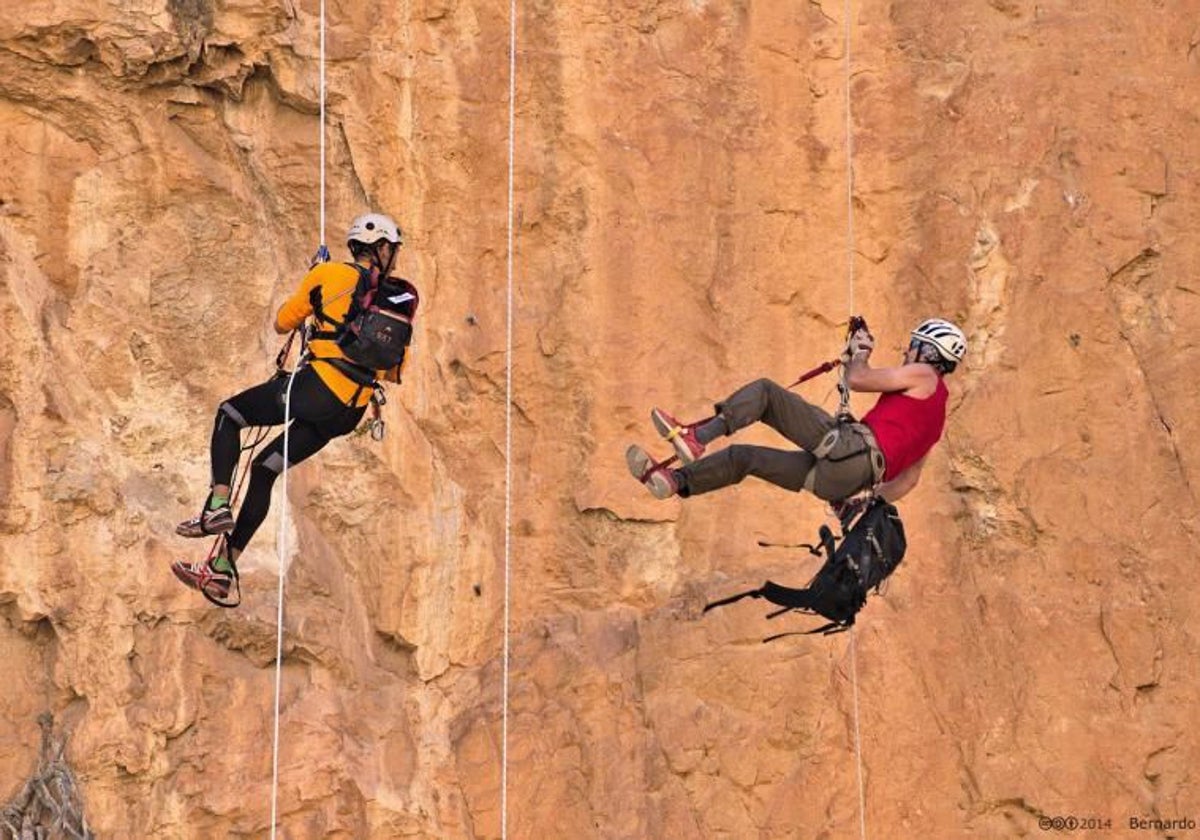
(1025, 168)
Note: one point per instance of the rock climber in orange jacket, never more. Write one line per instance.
(329, 394)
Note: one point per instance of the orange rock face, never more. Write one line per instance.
(680, 227)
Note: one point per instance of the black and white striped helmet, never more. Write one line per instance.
(949, 340)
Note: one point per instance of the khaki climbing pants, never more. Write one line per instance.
(832, 466)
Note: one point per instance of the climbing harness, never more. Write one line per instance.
(285, 351)
(845, 422)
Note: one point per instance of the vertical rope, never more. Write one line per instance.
(850, 247)
(282, 542)
(508, 379)
(849, 166)
(862, 797)
(321, 85)
(287, 423)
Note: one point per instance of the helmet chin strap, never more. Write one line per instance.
(926, 352)
(384, 270)
(929, 354)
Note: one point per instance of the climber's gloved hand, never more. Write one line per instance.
(860, 341)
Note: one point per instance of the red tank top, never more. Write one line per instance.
(906, 428)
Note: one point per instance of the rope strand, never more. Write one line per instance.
(843, 385)
(850, 247)
(321, 86)
(849, 166)
(862, 796)
(282, 541)
(287, 422)
(508, 379)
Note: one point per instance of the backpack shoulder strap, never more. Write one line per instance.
(827, 542)
(364, 289)
(316, 300)
(318, 306)
(733, 599)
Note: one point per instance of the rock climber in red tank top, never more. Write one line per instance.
(886, 450)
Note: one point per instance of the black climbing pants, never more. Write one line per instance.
(843, 471)
(317, 417)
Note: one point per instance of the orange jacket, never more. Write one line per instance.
(337, 282)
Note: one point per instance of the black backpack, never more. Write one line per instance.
(868, 552)
(378, 325)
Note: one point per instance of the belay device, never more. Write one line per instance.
(868, 551)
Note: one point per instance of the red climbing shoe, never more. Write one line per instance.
(204, 577)
(682, 437)
(658, 478)
(207, 524)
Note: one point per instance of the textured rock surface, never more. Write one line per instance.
(159, 196)
(1036, 654)
(680, 183)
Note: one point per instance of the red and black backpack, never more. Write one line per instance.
(377, 328)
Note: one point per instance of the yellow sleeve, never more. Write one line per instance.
(298, 307)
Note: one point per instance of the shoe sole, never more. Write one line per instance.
(665, 430)
(192, 530)
(640, 463)
(191, 582)
(183, 577)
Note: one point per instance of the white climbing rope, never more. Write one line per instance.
(508, 350)
(283, 473)
(850, 246)
(321, 132)
(322, 120)
(862, 799)
(282, 541)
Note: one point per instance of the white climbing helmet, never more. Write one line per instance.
(949, 340)
(373, 227)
